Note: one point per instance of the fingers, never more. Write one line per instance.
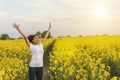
(18, 24)
(15, 25)
(50, 25)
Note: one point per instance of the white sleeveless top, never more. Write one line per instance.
(37, 55)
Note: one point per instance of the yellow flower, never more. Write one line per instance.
(114, 78)
(77, 76)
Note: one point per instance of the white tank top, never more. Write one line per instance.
(37, 55)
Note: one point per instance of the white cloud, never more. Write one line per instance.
(71, 15)
(2, 14)
(36, 4)
(31, 18)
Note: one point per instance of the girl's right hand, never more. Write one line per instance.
(49, 25)
(16, 26)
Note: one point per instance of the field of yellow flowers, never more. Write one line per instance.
(71, 58)
(85, 58)
(14, 59)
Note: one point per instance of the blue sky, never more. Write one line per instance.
(68, 17)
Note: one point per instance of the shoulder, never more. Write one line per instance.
(41, 44)
(31, 45)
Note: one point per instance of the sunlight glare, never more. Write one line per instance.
(99, 12)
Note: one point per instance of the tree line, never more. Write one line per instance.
(41, 35)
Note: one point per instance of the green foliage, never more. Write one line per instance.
(4, 36)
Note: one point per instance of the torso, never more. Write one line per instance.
(37, 55)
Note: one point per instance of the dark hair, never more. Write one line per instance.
(30, 37)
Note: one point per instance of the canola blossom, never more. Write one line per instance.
(14, 59)
(85, 58)
(71, 58)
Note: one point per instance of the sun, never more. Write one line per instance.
(99, 12)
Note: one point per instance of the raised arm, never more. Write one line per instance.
(47, 33)
(17, 27)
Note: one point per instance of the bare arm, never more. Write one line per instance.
(47, 33)
(17, 27)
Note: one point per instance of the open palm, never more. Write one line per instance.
(15, 25)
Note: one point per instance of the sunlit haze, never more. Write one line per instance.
(68, 17)
(99, 12)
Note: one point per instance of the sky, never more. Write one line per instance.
(68, 17)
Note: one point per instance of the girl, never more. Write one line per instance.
(36, 48)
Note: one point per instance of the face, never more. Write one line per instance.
(35, 40)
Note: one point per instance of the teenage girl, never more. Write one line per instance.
(36, 48)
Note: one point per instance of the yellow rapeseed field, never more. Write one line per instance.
(14, 59)
(71, 58)
(85, 58)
